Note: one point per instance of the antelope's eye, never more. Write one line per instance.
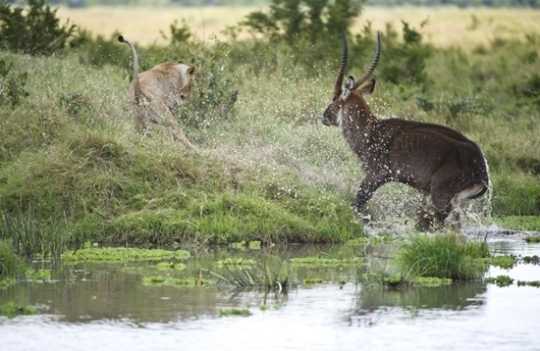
(182, 96)
(334, 98)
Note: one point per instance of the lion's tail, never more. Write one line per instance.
(136, 82)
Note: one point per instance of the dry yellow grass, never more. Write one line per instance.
(143, 24)
(447, 25)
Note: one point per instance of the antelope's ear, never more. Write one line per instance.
(368, 88)
(193, 70)
(346, 91)
(349, 83)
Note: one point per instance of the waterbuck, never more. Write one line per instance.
(437, 160)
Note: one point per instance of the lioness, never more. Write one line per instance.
(157, 92)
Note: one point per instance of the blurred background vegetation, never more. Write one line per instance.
(460, 3)
(72, 169)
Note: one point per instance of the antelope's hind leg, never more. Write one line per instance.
(456, 214)
(429, 218)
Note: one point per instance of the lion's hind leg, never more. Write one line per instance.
(163, 115)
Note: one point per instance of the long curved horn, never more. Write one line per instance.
(341, 73)
(373, 65)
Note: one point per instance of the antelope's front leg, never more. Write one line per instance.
(367, 188)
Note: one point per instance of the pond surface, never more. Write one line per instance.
(107, 307)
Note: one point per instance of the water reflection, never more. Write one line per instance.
(97, 306)
(452, 297)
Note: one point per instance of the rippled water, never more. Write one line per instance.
(106, 307)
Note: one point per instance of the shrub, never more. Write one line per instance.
(36, 32)
(215, 92)
(11, 85)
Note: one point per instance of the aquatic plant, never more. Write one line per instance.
(10, 264)
(324, 262)
(533, 239)
(226, 312)
(235, 261)
(31, 236)
(531, 259)
(534, 283)
(503, 261)
(168, 266)
(312, 281)
(160, 280)
(122, 254)
(500, 280)
(430, 281)
(268, 272)
(445, 255)
(11, 310)
(39, 275)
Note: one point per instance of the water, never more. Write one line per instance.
(106, 307)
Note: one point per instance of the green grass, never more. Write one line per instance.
(531, 223)
(445, 255)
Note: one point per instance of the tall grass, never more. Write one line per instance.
(29, 236)
(88, 169)
(267, 272)
(447, 255)
(10, 264)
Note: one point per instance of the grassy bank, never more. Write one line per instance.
(87, 174)
(73, 170)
